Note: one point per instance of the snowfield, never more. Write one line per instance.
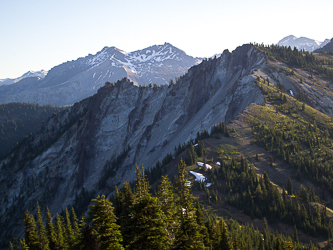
(200, 164)
(200, 178)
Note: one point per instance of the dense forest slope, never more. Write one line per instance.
(18, 120)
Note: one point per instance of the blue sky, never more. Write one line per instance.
(38, 35)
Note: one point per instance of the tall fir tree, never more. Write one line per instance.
(69, 235)
(50, 231)
(200, 221)
(30, 231)
(147, 218)
(61, 241)
(43, 242)
(76, 228)
(216, 236)
(123, 202)
(166, 198)
(225, 242)
(295, 235)
(88, 239)
(24, 245)
(188, 236)
(104, 224)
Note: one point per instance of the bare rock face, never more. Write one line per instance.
(75, 147)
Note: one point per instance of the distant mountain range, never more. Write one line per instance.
(302, 43)
(75, 80)
(327, 48)
(41, 74)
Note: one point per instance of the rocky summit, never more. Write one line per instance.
(71, 154)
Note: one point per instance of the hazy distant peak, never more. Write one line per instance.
(327, 47)
(301, 43)
(42, 73)
(288, 38)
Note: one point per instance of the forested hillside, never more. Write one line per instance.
(173, 219)
(18, 120)
(311, 62)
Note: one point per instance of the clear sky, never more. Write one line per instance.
(37, 35)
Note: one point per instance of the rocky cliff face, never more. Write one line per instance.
(70, 154)
(72, 81)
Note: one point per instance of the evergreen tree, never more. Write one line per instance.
(104, 223)
(70, 237)
(261, 244)
(216, 235)
(192, 155)
(61, 242)
(200, 221)
(235, 241)
(225, 239)
(166, 198)
(123, 202)
(24, 245)
(188, 236)
(200, 149)
(290, 187)
(147, 218)
(50, 231)
(30, 231)
(295, 236)
(88, 239)
(278, 243)
(117, 203)
(43, 242)
(76, 228)
(284, 194)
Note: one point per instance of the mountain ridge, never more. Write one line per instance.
(327, 48)
(74, 80)
(302, 43)
(39, 74)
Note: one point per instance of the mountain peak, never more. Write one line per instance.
(301, 43)
(77, 79)
(327, 47)
(111, 49)
(42, 73)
